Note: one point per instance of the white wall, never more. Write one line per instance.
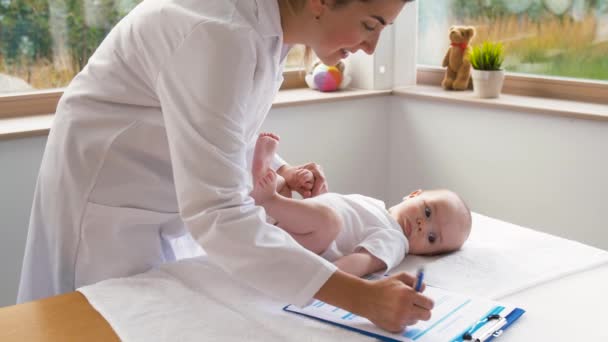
(544, 172)
(347, 138)
(19, 164)
(538, 171)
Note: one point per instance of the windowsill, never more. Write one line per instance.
(25, 126)
(39, 125)
(302, 96)
(547, 106)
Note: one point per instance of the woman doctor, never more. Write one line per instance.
(153, 140)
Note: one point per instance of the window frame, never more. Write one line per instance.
(409, 73)
(45, 101)
(406, 72)
(532, 85)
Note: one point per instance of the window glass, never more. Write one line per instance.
(295, 58)
(565, 38)
(45, 43)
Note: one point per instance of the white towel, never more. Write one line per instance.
(501, 258)
(192, 300)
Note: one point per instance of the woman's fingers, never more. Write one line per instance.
(320, 184)
(423, 302)
(396, 304)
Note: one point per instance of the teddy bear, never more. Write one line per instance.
(456, 59)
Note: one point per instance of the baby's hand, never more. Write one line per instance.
(308, 179)
(300, 180)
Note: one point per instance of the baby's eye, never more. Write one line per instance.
(368, 26)
(432, 237)
(427, 212)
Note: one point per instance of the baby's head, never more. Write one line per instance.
(434, 221)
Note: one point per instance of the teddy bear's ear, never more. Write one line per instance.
(470, 32)
(340, 66)
(453, 27)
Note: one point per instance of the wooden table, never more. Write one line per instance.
(68, 317)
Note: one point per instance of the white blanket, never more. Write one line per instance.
(501, 258)
(192, 300)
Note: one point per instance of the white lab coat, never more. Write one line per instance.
(155, 133)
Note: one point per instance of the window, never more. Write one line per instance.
(45, 43)
(562, 38)
(295, 58)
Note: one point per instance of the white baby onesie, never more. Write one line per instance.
(367, 224)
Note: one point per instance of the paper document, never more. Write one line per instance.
(452, 316)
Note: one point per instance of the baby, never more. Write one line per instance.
(356, 232)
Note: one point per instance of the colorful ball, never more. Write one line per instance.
(327, 78)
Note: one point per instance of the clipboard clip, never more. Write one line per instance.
(490, 326)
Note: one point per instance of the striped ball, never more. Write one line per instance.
(327, 78)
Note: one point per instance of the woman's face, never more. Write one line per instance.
(355, 26)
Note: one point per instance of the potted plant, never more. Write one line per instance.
(486, 60)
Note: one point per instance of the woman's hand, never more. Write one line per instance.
(308, 179)
(395, 304)
(390, 303)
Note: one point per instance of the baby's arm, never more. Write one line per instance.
(360, 263)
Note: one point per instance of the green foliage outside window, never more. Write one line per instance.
(564, 38)
(46, 42)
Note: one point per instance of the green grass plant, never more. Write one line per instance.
(487, 56)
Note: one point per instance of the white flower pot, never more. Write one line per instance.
(487, 84)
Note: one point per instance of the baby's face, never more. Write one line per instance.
(433, 221)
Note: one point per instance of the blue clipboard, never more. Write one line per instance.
(488, 327)
(343, 326)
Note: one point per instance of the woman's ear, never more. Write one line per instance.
(317, 7)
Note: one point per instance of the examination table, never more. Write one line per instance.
(562, 285)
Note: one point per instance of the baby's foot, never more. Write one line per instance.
(263, 155)
(265, 188)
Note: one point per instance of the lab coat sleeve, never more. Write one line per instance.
(200, 88)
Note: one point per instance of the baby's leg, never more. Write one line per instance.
(265, 148)
(313, 225)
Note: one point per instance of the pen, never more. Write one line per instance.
(419, 279)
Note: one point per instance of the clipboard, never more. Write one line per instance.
(455, 316)
(490, 326)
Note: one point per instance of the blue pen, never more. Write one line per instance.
(419, 279)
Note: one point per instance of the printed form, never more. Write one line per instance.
(452, 316)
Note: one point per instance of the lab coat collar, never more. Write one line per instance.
(269, 17)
